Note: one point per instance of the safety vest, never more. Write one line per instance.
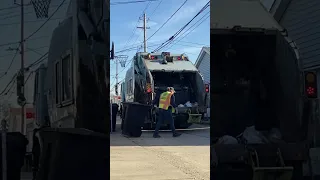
(165, 99)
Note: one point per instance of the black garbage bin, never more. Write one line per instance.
(114, 109)
(134, 116)
(69, 153)
(16, 150)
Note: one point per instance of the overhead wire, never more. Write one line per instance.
(168, 19)
(10, 82)
(131, 2)
(18, 14)
(25, 51)
(31, 21)
(14, 56)
(188, 31)
(181, 29)
(42, 58)
(17, 42)
(11, 62)
(155, 9)
(135, 29)
(32, 34)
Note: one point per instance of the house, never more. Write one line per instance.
(203, 65)
(301, 19)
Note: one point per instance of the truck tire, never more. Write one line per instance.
(147, 126)
(181, 121)
(183, 126)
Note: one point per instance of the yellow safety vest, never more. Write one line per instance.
(165, 99)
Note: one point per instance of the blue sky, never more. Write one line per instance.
(125, 35)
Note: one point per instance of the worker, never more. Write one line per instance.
(166, 102)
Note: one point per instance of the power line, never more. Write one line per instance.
(41, 59)
(11, 86)
(12, 7)
(17, 42)
(46, 20)
(188, 31)
(11, 62)
(135, 29)
(168, 19)
(180, 30)
(11, 81)
(27, 68)
(155, 9)
(177, 33)
(25, 51)
(18, 15)
(131, 2)
(32, 21)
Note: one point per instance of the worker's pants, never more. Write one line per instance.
(165, 115)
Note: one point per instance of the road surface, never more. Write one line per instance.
(183, 158)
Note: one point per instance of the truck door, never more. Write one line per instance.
(288, 97)
(201, 93)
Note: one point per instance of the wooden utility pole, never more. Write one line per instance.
(144, 27)
(20, 76)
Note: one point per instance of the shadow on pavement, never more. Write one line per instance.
(196, 135)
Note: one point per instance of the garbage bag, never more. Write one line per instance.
(275, 135)
(252, 136)
(227, 140)
(188, 104)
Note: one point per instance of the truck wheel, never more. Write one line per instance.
(181, 121)
(147, 126)
(183, 126)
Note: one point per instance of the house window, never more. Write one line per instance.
(129, 89)
(35, 92)
(66, 79)
(63, 81)
(57, 82)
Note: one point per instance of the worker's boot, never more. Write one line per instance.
(176, 134)
(156, 136)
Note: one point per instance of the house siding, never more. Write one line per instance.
(302, 21)
(204, 68)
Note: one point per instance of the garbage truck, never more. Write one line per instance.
(71, 96)
(261, 99)
(151, 73)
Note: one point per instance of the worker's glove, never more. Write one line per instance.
(176, 111)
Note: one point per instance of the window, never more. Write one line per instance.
(63, 80)
(57, 83)
(35, 91)
(129, 87)
(66, 79)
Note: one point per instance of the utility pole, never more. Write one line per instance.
(122, 59)
(3, 140)
(117, 79)
(22, 66)
(20, 76)
(144, 27)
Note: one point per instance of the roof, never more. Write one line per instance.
(245, 13)
(175, 66)
(204, 50)
(155, 65)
